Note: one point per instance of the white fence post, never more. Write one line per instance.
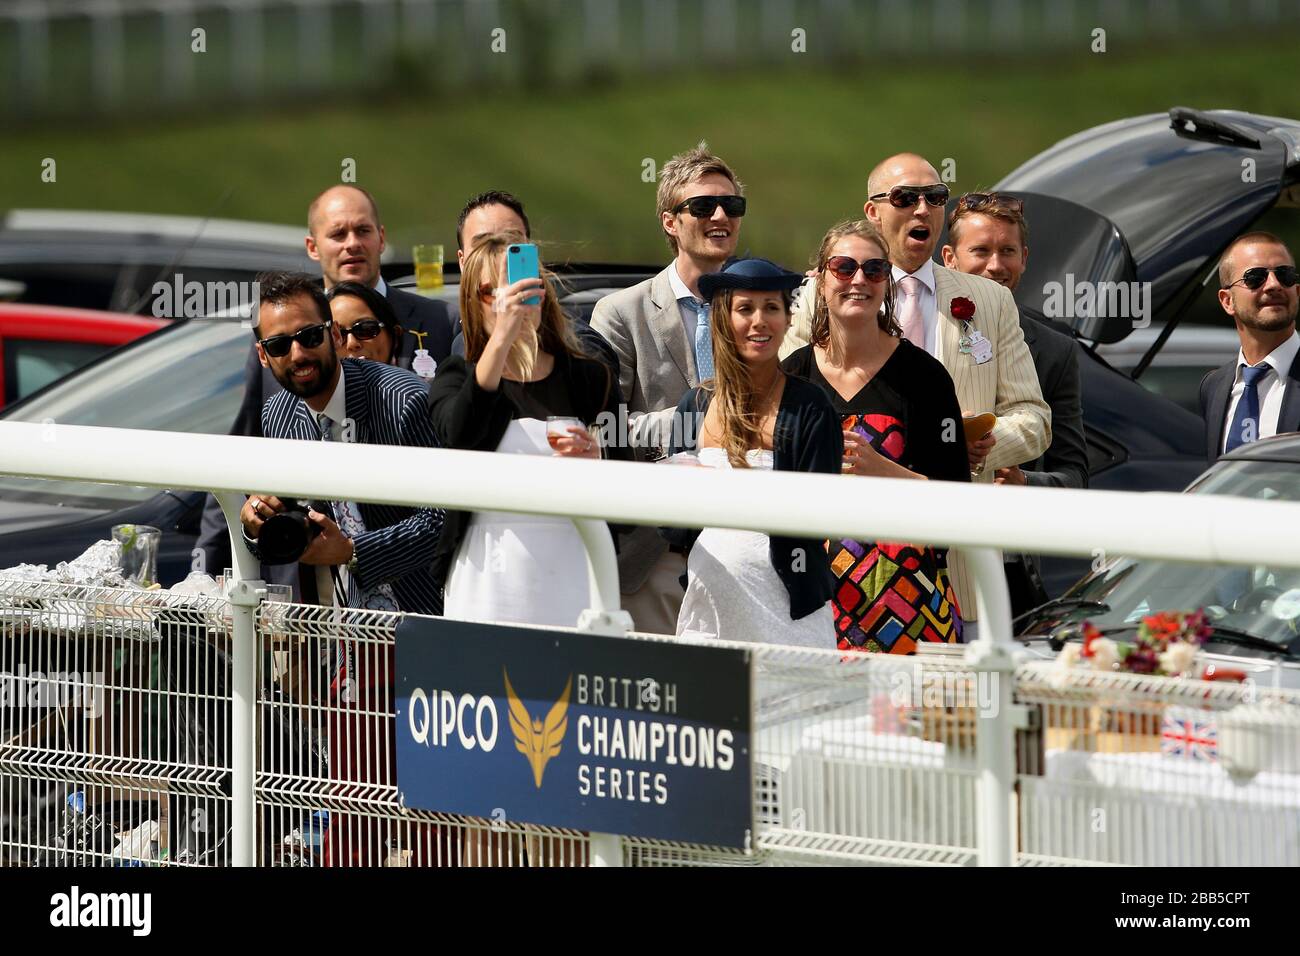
(603, 617)
(993, 653)
(245, 593)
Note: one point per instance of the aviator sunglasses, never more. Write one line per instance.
(845, 268)
(905, 197)
(278, 346)
(702, 207)
(1252, 279)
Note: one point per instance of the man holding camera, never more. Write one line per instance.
(382, 553)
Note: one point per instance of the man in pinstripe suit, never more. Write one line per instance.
(386, 551)
(984, 352)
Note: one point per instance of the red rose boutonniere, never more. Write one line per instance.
(962, 309)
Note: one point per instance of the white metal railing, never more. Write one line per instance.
(976, 518)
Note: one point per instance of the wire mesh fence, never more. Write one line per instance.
(115, 750)
(1153, 771)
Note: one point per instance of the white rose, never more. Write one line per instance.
(1178, 658)
(1105, 654)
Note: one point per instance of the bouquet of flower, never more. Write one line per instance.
(1167, 643)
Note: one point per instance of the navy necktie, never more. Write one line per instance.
(1244, 428)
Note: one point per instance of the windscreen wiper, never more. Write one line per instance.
(1065, 603)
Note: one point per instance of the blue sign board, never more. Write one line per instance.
(568, 729)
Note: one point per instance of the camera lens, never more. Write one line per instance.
(285, 536)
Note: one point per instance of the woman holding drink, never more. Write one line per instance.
(522, 367)
(901, 419)
(744, 585)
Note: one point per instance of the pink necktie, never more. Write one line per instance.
(909, 312)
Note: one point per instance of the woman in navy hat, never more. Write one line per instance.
(743, 585)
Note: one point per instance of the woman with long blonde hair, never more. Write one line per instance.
(742, 585)
(901, 419)
(522, 366)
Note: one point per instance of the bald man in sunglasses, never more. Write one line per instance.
(969, 323)
(1256, 395)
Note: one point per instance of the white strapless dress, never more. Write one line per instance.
(519, 568)
(732, 590)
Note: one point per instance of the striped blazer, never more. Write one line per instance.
(387, 406)
(1007, 385)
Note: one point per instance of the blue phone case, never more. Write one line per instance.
(521, 263)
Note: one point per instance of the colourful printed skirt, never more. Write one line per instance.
(891, 597)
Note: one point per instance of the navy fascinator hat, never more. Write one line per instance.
(754, 274)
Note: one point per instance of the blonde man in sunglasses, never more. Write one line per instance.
(660, 329)
(1256, 395)
(969, 323)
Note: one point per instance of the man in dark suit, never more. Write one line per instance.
(1256, 395)
(346, 236)
(384, 551)
(988, 236)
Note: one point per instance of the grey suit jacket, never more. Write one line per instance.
(1065, 463)
(643, 325)
(1216, 396)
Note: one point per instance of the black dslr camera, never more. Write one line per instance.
(285, 536)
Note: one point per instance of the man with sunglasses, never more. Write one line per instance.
(1258, 394)
(981, 346)
(345, 234)
(384, 552)
(660, 330)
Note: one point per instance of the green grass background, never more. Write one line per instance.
(803, 141)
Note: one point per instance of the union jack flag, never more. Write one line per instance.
(1194, 736)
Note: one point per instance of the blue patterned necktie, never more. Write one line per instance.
(351, 524)
(703, 339)
(1245, 420)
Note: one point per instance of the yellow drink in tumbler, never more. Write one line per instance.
(428, 266)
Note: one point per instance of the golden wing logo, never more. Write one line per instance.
(537, 740)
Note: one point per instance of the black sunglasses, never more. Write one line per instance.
(702, 207)
(278, 346)
(1252, 279)
(845, 268)
(973, 202)
(362, 331)
(905, 197)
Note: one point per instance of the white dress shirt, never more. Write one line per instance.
(1270, 387)
(337, 407)
(680, 292)
(929, 304)
(381, 287)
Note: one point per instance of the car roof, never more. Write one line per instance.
(178, 228)
(26, 310)
(1172, 187)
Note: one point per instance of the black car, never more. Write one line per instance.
(1152, 200)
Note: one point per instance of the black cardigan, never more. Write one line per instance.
(807, 437)
(466, 416)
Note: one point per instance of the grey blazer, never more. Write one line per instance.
(1065, 463)
(643, 325)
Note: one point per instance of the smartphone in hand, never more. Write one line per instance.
(521, 263)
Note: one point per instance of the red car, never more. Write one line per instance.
(40, 344)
